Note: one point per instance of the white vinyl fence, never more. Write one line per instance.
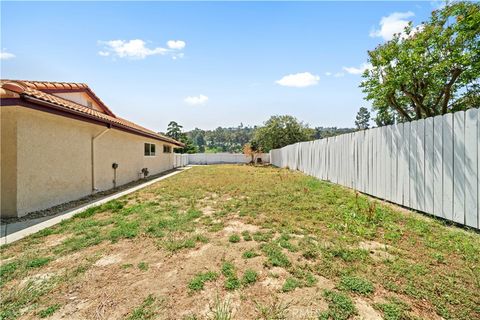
(181, 160)
(431, 165)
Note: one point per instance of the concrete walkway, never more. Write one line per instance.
(19, 230)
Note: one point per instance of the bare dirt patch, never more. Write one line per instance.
(366, 311)
(236, 226)
(108, 260)
(378, 251)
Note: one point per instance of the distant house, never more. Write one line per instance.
(60, 142)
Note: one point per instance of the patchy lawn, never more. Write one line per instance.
(243, 242)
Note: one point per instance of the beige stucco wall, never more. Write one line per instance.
(8, 160)
(54, 159)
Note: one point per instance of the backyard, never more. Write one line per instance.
(244, 242)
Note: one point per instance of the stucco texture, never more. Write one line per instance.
(48, 159)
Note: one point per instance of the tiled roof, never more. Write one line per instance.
(31, 92)
(52, 87)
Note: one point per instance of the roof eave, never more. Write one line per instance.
(105, 121)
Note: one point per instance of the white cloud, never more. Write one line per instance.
(176, 44)
(392, 24)
(6, 55)
(137, 49)
(339, 74)
(328, 74)
(299, 80)
(359, 70)
(196, 100)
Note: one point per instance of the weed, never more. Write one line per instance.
(38, 262)
(173, 244)
(395, 309)
(262, 236)
(143, 266)
(310, 254)
(340, 306)
(228, 269)
(90, 238)
(232, 283)
(276, 258)
(198, 282)
(249, 254)
(127, 266)
(356, 284)
(155, 231)
(234, 238)
(147, 310)
(7, 270)
(89, 212)
(290, 284)
(49, 311)
(249, 277)
(246, 236)
(350, 255)
(273, 311)
(124, 229)
(221, 310)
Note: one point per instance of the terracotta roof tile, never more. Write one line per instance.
(53, 86)
(31, 89)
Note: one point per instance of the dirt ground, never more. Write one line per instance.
(137, 259)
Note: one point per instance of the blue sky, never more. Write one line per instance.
(205, 64)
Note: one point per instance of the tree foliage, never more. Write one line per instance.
(428, 70)
(221, 139)
(174, 130)
(362, 119)
(234, 139)
(279, 131)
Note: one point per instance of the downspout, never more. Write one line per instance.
(94, 189)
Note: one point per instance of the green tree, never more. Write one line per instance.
(362, 119)
(428, 70)
(279, 131)
(189, 147)
(174, 130)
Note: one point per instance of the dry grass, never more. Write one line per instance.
(243, 242)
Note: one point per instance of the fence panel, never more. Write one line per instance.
(459, 167)
(431, 165)
(472, 140)
(447, 154)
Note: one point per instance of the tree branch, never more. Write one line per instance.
(418, 104)
(397, 107)
(447, 90)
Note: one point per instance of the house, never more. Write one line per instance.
(60, 142)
